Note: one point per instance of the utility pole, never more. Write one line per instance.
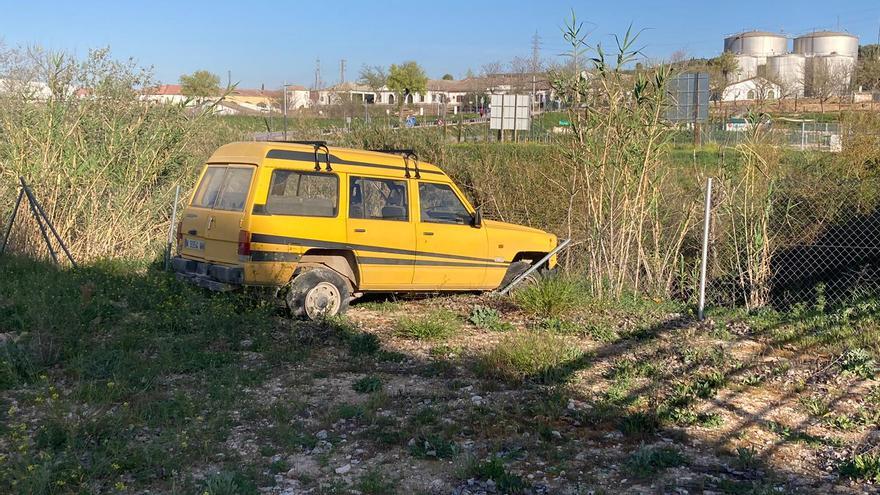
(341, 71)
(284, 88)
(317, 73)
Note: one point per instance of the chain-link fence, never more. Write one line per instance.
(805, 246)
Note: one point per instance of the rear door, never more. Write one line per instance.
(381, 231)
(212, 222)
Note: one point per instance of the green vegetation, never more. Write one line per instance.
(368, 384)
(495, 470)
(862, 466)
(438, 325)
(551, 297)
(532, 356)
(649, 460)
(489, 319)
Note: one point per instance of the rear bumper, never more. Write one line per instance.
(210, 276)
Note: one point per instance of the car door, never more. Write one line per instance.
(451, 253)
(381, 231)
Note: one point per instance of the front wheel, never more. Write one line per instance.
(318, 293)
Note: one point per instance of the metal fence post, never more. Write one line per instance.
(171, 227)
(705, 257)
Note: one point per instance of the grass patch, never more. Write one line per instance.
(532, 356)
(495, 470)
(648, 461)
(364, 344)
(437, 325)
(432, 447)
(368, 384)
(229, 483)
(375, 482)
(552, 297)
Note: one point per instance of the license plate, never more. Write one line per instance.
(194, 244)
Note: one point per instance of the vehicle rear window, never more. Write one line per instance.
(235, 189)
(209, 187)
(224, 188)
(305, 194)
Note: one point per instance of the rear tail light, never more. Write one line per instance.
(244, 243)
(179, 235)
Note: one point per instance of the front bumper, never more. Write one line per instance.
(210, 276)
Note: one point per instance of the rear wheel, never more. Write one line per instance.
(318, 293)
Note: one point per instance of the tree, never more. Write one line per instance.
(200, 84)
(827, 80)
(406, 79)
(469, 74)
(448, 77)
(491, 68)
(868, 70)
(721, 70)
(375, 77)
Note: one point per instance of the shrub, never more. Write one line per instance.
(227, 483)
(551, 297)
(437, 325)
(532, 355)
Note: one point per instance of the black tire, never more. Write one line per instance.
(318, 293)
(516, 269)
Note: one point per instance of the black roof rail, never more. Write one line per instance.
(407, 153)
(318, 146)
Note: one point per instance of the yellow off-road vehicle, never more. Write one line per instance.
(323, 225)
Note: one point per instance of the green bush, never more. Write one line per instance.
(532, 355)
(438, 325)
(495, 470)
(488, 318)
(552, 297)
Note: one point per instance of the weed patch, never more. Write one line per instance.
(438, 325)
(368, 384)
(532, 356)
(551, 297)
(648, 461)
(495, 470)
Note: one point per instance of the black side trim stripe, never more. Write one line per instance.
(365, 260)
(307, 156)
(273, 256)
(295, 241)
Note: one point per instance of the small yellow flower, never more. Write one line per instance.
(31, 467)
(120, 485)
(115, 466)
(110, 384)
(55, 396)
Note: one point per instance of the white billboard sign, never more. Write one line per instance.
(510, 112)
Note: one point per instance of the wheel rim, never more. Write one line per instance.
(322, 300)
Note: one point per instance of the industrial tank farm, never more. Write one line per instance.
(766, 54)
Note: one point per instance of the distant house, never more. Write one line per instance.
(165, 93)
(753, 89)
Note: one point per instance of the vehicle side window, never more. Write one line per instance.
(209, 187)
(378, 199)
(306, 194)
(439, 204)
(235, 188)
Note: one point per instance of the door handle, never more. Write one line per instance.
(360, 230)
(427, 233)
(192, 232)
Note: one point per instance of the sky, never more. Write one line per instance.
(271, 43)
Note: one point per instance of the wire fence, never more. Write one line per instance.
(816, 250)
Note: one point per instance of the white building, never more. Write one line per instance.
(756, 88)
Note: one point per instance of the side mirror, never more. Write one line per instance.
(477, 221)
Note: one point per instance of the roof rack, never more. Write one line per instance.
(319, 145)
(407, 154)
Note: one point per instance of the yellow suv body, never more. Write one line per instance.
(330, 223)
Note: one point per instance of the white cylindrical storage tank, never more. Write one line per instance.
(788, 72)
(746, 68)
(829, 74)
(756, 44)
(827, 43)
